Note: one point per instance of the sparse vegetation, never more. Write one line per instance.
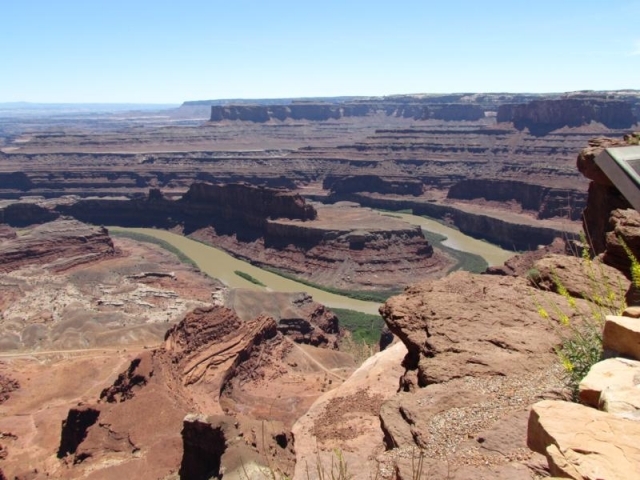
(141, 237)
(249, 278)
(581, 334)
(364, 327)
(379, 296)
(338, 470)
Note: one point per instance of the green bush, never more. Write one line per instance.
(249, 278)
(581, 333)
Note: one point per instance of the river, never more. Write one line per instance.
(457, 240)
(219, 264)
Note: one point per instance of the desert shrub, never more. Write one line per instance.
(533, 275)
(338, 470)
(580, 323)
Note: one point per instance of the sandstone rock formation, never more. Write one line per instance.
(622, 336)
(297, 315)
(473, 341)
(58, 245)
(214, 446)
(623, 226)
(521, 265)
(25, 214)
(612, 372)
(581, 442)
(186, 375)
(406, 107)
(544, 201)
(161, 414)
(241, 200)
(348, 416)
(579, 278)
(371, 183)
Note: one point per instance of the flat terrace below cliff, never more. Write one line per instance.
(349, 217)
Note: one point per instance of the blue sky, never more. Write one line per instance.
(170, 51)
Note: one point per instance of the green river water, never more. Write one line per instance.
(219, 264)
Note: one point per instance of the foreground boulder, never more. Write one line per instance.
(583, 443)
(603, 197)
(479, 354)
(348, 417)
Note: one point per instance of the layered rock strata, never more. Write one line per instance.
(509, 230)
(608, 217)
(220, 395)
(418, 109)
(59, 245)
(187, 374)
(340, 245)
(544, 116)
(546, 202)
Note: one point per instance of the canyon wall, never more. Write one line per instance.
(320, 112)
(372, 183)
(544, 116)
(344, 247)
(232, 208)
(547, 202)
(508, 234)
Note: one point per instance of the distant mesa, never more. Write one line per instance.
(541, 114)
(449, 107)
(545, 115)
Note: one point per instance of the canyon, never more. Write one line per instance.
(120, 359)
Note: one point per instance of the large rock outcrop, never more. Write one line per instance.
(249, 202)
(59, 245)
(143, 410)
(478, 356)
(600, 438)
(216, 377)
(21, 214)
(583, 443)
(372, 183)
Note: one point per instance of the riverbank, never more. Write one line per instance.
(221, 265)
